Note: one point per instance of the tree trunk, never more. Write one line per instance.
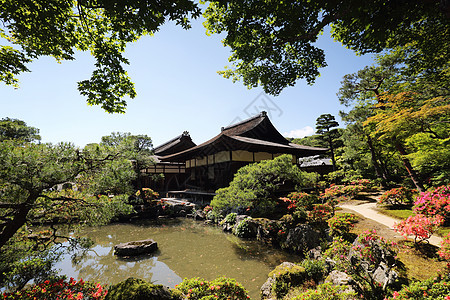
(330, 141)
(380, 173)
(412, 173)
(20, 218)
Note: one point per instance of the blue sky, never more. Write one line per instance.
(177, 88)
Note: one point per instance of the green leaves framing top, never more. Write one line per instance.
(58, 27)
(273, 42)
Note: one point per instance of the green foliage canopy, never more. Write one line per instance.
(14, 129)
(273, 42)
(254, 185)
(58, 28)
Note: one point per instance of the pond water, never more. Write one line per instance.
(186, 249)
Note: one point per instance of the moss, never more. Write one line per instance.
(138, 289)
(286, 277)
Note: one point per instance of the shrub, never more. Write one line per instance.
(147, 194)
(341, 224)
(434, 288)
(137, 289)
(333, 191)
(314, 268)
(243, 229)
(229, 219)
(254, 186)
(360, 260)
(214, 216)
(444, 252)
(420, 226)
(397, 196)
(220, 288)
(61, 289)
(299, 199)
(435, 202)
(320, 213)
(326, 291)
(286, 276)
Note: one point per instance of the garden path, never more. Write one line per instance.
(368, 210)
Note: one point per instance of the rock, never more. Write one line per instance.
(265, 230)
(266, 289)
(245, 227)
(383, 273)
(136, 248)
(240, 218)
(284, 277)
(175, 208)
(199, 215)
(301, 238)
(338, 278)
(315, 253)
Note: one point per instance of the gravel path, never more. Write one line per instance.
(368, 210)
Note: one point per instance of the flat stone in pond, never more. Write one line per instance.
(136, 248)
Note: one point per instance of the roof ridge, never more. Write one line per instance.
(261, 114)
(185, 133)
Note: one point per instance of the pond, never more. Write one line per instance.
(187, 248)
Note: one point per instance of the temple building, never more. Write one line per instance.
(174, 172)
(212, 164)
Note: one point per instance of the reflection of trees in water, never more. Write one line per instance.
(120, 233)
(252, 250)
(187, 249)
(108, 268)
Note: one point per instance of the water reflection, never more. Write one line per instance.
(186, 249)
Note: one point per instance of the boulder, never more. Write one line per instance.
(338, 278)
(266, 289)
(199, 215)
(301, 238)
(383, 272)
(284, 277)
(136, 248)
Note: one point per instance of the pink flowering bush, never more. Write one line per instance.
(61, 289)
(299, 200)
(362, 258)
(397, 196)
(320, 213)
(419, 226)
(435, 202)
(341, 224)
(444, 252)
(431, 289)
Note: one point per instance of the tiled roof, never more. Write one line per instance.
(254, 134)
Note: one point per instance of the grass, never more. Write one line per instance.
(443, 231)
(397, 213)
(421, 262)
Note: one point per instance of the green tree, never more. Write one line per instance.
(312, 140)
(254, 186)
(395, 74)
(423, 126)
(58, 28)
(273, 42)
(31, 178)
(325, 127)
(136, 148)
(14, 129)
